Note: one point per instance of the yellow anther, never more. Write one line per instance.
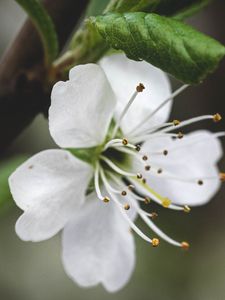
(106, 199)
(187, 209)
(123, 193)
(222, 177)
(145, 157)
(154, 215)
(176, 122)
(166, 202)
(140, 88)
(217, 118)
(185, 245)
(124, 142)
(126, 206)
(147, 200)
(139, 175)
(155, 242)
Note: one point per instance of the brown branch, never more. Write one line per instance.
(22, 89)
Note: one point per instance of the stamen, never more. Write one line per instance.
(176, 122)
(116, 168)
(185, 245)
(147, 200)
(222, 177)
(188, 122)
(217, 118)
(187, 209)
(97, 187)
(147, 168)
(126, 206)
(123, 193)
(139, 89)
(173, 95)
(155, 242)
(145, 157)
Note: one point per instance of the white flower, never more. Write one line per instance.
(100, 130)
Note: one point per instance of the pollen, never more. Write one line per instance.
(166, 202)
(147, 200)
(123, 193)
(185, 245)
(176, 122)
(140, 88)
(138, 148)
(155, 242)
(222, 177)
(159, 171)
(180, 135)
(147, 168)
(217, 118)
(126, 206)
(165, 152)
(131, 187)
(124, 142)
(187, 209)
(154, 215)
(106, 199)
(139, 175)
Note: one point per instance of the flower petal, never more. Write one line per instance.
(98, 246)
(124, 75)
(189, 160)
(48, 187)
(81, 108)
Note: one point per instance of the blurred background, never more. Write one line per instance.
(34, 271)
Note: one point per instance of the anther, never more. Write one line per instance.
(180, 135)
(217, 118)
(154, 215)
(187, 209)
(147, 200)
(144, 180)
(166, 202)
(145, 157)
(123, 193)
(131, 187)
(139, 175)
(138, 148)
(106, 199)
(222, 177)
(147, 168)
(126, 206)
(159, 171)
(185, 245)
(200, 182)
(124, 142)
(140, 88)
(165, 152)
(176, 122)
(155, 242)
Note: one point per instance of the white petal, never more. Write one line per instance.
(49, 187)
(124, 75)
(81, 108)
(98, 246)
(193, 157)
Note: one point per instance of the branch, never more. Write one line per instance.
(23, 91)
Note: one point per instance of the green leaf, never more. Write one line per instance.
(44, 25)
(164, 42)
(6, 168)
